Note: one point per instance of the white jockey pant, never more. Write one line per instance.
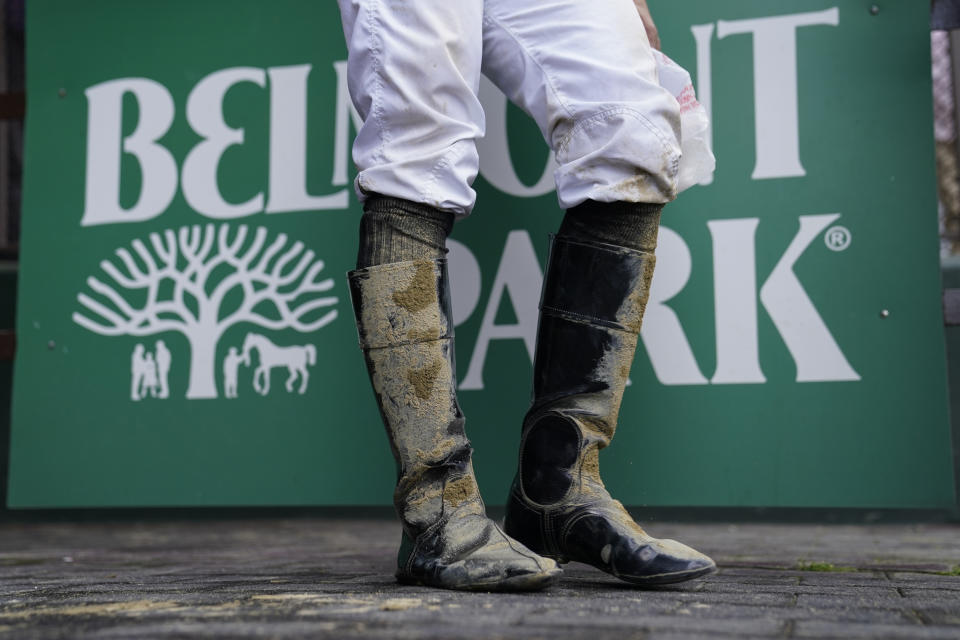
(583, 71)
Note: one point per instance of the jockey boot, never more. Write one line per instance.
(592, 306)
(406, 333)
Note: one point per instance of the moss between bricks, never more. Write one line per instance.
(955, 571)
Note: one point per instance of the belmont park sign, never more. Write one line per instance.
(782, 295)
(184, 328)
(775, 105)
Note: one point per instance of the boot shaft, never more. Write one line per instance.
(590, 315)
(591, 311)
(405, 328)
(406, 332)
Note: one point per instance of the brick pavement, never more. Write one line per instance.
(330, 578)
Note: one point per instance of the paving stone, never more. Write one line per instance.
(864, 578)
(886, 588)
(745, 595)
(850, 599)
(753, 576)
(851, 613)
(661, 634)
(927, 580)
(305, 578)
(680, 622)
(845, 630)
(937, 616)
(942, 611)
(747, 588)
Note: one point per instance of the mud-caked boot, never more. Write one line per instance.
(592, 306)
(406, 333)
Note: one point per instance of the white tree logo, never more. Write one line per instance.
(184, 283)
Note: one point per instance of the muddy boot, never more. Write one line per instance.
(592, 306)
(406, 332)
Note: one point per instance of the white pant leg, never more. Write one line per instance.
(414, 71)
(585, 72)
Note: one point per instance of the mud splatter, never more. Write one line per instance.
(630, 313)
(590, 467)
(423, 504)
(406, 376)
(651, 183)
(424, 379)
(614, 369)
(287, 597)
(294, 602)
(443, 446)
(401, 604)
(591, 488)
(410, 365)
(642, 187)
(424, 334)
(414, 385)
(132, 607)
(422, 291)
(398, 299)
(623, 517)
(460, 490)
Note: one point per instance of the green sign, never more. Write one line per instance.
(185, 334)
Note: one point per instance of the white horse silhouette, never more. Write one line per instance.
(295, 359)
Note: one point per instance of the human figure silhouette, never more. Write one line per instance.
(163, 368)
(136, 372)
(231, 365)
(149, 376)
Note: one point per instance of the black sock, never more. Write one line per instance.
(395, 230)
(624, 224)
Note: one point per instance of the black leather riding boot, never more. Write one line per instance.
(592, 307)
(406, 333)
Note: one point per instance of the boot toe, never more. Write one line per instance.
(496, 571)
(502, 564)
(624, 550)
(663, 562)
(489, 561)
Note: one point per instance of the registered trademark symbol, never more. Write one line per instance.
(837, 238)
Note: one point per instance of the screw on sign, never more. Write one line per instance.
(837, 238)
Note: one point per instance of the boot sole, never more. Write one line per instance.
(668, 578)
(657, 579)
(527, 582)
